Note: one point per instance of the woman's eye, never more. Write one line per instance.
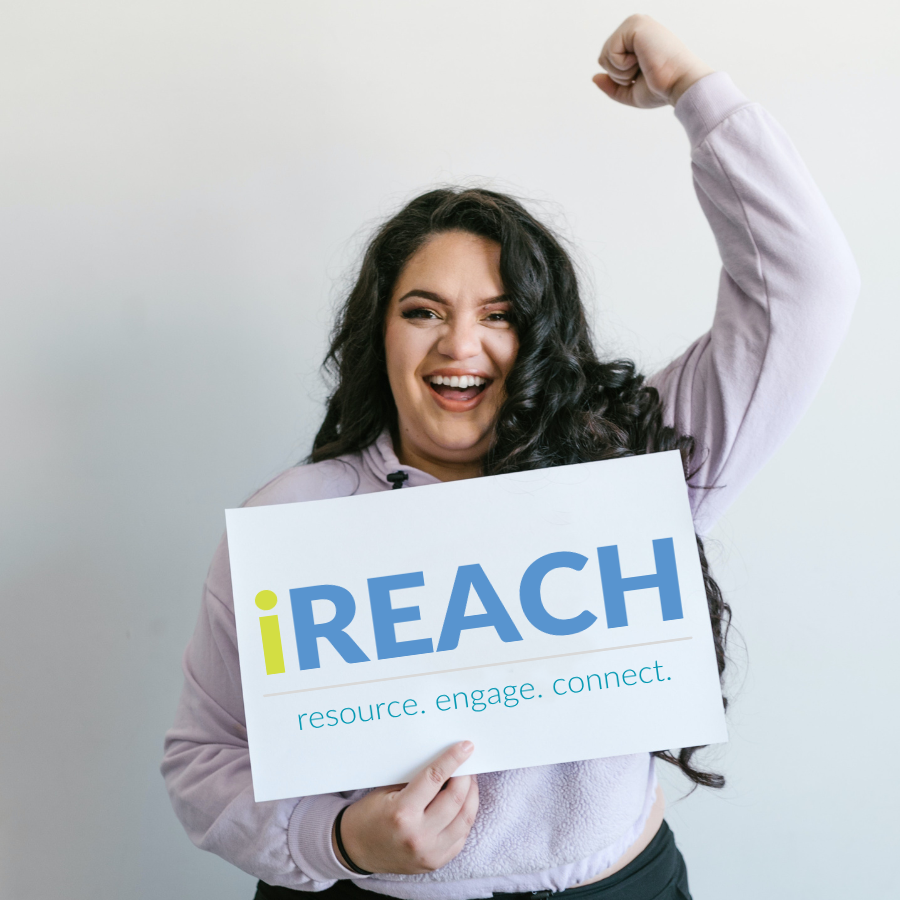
(499, 317)
(418, 313)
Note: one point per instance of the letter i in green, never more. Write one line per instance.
(271, 634)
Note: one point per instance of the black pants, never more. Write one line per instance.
(657, 873)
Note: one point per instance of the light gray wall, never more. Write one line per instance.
(183, 185)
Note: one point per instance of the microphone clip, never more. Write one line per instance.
(397, 478)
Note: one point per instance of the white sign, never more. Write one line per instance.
(546, 616)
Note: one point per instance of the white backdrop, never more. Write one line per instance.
(184, 185)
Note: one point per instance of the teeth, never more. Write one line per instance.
(458, 381)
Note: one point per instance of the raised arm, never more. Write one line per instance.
(788, 281)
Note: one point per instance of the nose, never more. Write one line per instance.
(460, 339)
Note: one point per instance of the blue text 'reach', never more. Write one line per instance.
(385, 616)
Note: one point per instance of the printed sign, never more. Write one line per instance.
(546, 616)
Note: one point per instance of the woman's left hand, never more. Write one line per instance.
(647, 65)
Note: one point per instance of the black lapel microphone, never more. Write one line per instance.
(397, 478)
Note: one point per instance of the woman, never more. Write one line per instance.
(463, 350)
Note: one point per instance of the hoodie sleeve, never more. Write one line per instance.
(207, 764)
(786, 292)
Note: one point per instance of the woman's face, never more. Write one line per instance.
(449, 347)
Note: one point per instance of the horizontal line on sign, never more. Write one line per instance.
(512, 662)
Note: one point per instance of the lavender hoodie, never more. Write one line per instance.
(787, 287)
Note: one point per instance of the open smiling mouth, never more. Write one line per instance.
(458, 387)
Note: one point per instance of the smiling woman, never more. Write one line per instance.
(449, 346)
(463, 350)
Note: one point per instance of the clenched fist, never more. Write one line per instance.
(647, 65)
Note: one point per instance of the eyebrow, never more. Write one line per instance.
(437, 298)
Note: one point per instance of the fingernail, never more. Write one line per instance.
(467, 747)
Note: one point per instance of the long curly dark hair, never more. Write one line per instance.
(563, 404)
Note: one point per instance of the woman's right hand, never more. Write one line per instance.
(417, 827)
